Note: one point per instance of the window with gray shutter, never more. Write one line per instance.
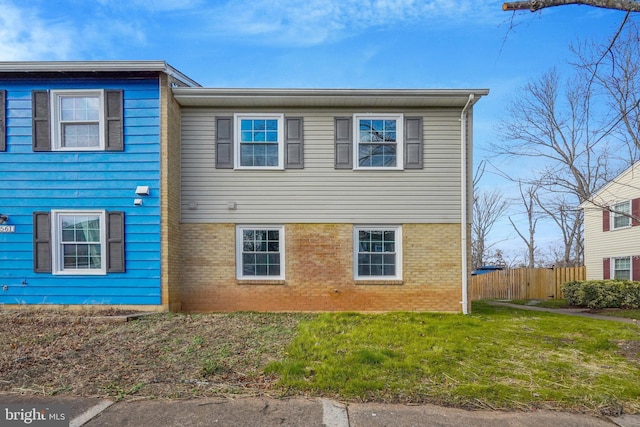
(41, 137)
(224, 142)
(3, 120)
(42, 242)
(343, 143)
(294, 143)
(413, 144)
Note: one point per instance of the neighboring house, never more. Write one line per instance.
(317, 200)
(85, 165)
(612, 229)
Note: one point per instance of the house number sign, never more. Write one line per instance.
(7, 228)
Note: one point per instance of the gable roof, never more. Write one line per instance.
(20, 68)
(626, 175)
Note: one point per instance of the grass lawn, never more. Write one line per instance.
(494, 358)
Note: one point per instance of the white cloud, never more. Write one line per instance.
(25, 36)
(315, 21)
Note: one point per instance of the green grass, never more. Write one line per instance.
(494, 358)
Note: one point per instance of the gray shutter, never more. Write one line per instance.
(41, 133)
(3, 120)
(224, 142)
(115, 242)
(413, 146)
(343, 143)
(293, 143)
(42, 242)
(114, 123)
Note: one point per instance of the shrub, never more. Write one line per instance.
(602, 293)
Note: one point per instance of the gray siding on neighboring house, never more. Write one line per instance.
(319, 193)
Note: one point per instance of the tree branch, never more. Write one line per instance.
(535, 5)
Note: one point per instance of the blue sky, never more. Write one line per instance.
(318, 44)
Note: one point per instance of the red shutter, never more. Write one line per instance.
(635, 268)
(606, 215)
(606, 268)
(635, 212)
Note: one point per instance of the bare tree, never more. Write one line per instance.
(488, 207)
(529, 196)
(535, 5)
(569, 220)
(554, 125)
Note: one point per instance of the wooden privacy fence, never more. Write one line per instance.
(523, 283)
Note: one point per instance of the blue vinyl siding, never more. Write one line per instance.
(42, 181)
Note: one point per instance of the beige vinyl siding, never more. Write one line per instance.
(319, 193)
(622, 242)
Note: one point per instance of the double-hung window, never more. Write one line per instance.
(622, 268)
(378, 141)
(259, 141)
(260, 252)
(621, 215)
(378, 253)
(78, 120)
(79, 240)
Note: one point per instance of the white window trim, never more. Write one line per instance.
(398, 245)
(237, 117)
(613, 216)
(613, 266)
(56, 238)
(399, 117)
(239, 270)
(56, 129)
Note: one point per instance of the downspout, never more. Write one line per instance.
(464, 204)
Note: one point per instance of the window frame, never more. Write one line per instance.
(237, 143)
(239, 251)
(397, 229)
(614, 270)
(399, 118)
(56, 118)
(615, 215)
(57, 258)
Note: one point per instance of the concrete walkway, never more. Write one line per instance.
(581, 312)
(267, 412)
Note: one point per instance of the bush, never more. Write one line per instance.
(602, 293)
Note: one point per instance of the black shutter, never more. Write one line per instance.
(115, 242)
(413, 146)
(41, 133)
(42, 242)
(3, 120)
(343, 143)
(294, 143)
(114, 123)
(224, 142)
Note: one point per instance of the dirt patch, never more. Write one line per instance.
(630, 349)
(158, 355)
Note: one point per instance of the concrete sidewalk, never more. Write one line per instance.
(267, 412)
(580, 312)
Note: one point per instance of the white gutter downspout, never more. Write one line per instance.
(463, 191)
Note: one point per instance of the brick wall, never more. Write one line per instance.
(319, 272)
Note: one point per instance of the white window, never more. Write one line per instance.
(621, 215)
(622, 268)
(378, 141)
(377, 252)
(78, 242)
(259, 141)
(260, 252)
(78, 120)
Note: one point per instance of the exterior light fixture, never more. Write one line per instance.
(3, 218)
